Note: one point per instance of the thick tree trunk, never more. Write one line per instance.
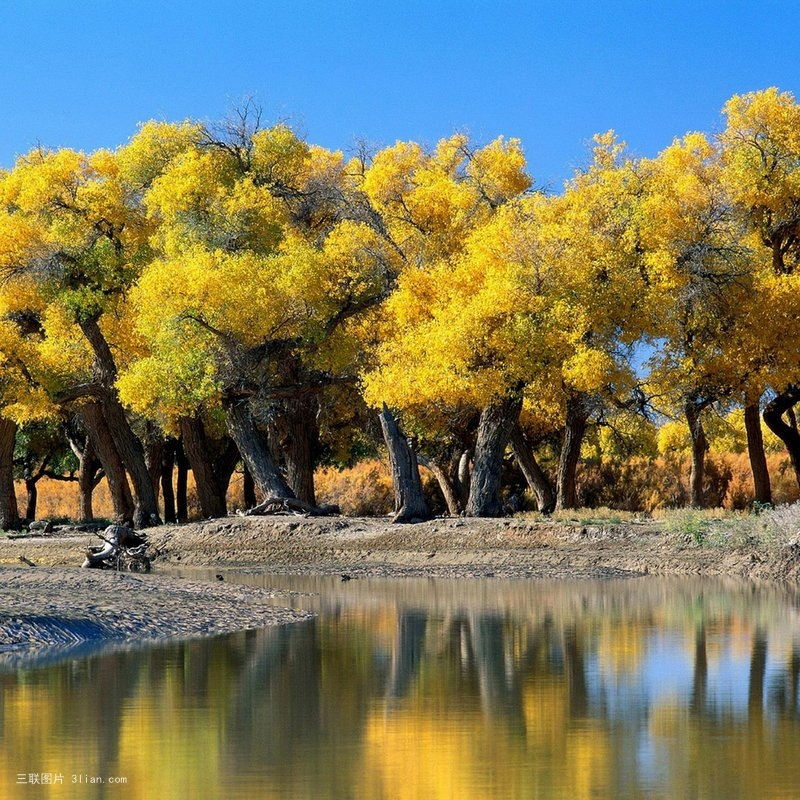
(785, 430)
(85, 499)
(131, 452)
(225, 463)
(762, 491)
(494, 430)
(128, 445)
(574, 430)
(210, 494)
(255, 453)
(409, 502)
(167, 490)
(297, 437)
(537, 481)
(699, 449)
(9, 512)
(103, 444)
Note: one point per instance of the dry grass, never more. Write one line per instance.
(364, 490)
(60, 500)
(609, 488)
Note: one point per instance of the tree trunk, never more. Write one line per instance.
(128, 445)
(409, 502)
(181, 489)
(254, 449)
(692, 411)
(154, 456)
(574, 430)
(297, 437)
(225, 463)
(464, 477)
(786, 431)
(446, 485)
(87, 470)
(494, 429)
(167, 490)
(131, 452)
(537, 481)
(103, 444)
(248, 489)
(195, 444)
(9, 512)
(32, 496)
(762, 491)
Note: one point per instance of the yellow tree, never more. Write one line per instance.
(272, 255)
(702, 270)
(533, 311)
(434, 208)
(72, 224)
(590, 242)
(266, 253)
(761, 157)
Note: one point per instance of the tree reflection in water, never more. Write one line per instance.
(437, 689)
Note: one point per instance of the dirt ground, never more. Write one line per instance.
(442, 547)
(137, 606)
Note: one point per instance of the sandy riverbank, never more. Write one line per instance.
(444, 547)
(133, 606)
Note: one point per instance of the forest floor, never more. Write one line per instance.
(162, 604)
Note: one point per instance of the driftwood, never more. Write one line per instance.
(123, 550)
(291, 505)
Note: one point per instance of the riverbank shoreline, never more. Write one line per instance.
(138, 607)
(68, 609)
(449, 547)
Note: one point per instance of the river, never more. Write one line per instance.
(415, 688)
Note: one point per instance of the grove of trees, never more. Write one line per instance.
(209, 296)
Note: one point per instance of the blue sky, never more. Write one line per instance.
(83, 73)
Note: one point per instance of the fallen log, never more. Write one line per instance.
(291, 505)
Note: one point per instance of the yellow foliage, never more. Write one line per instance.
(539, 295)
(588, 370)
(762, 143)
(673, 437)
(280, 157)
(153, 147)
(499, 169)
(192, 182)
(64, 352)
(21, 241)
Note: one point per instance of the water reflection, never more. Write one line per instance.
(435, 689)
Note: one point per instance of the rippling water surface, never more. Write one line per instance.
(432, 689)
